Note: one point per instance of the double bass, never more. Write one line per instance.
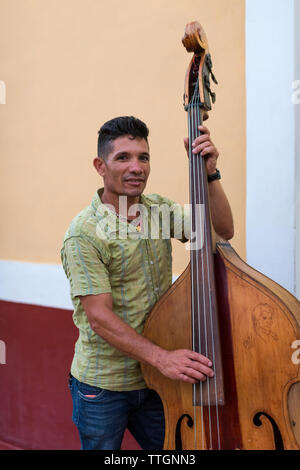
(224, 309)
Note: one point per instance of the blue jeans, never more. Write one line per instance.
(102, 419)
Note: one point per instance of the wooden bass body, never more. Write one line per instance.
(259, 324)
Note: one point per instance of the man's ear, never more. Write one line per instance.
(99, 164)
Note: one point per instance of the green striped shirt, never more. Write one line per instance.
(103, 253)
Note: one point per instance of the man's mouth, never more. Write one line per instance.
(134, 181)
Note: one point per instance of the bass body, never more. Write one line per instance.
(259, 324)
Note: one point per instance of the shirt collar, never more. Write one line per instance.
(101, 208)
(107, 217)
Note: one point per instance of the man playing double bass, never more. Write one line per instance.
(115, 282)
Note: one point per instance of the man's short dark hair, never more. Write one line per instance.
(118, 127)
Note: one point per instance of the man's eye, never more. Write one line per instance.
(122, 157)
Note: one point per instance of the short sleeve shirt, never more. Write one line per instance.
(103, 253)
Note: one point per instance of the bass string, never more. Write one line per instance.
(200, 260)
(198, 243)
(201, 297)
(194, 232)
(197, 194)
(201, 294)
(194, 272)
(192, 222)
(207, 255)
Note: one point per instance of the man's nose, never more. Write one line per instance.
(135, 167)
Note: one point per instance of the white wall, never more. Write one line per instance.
(297, 142)
(271, 139)
(34, 283)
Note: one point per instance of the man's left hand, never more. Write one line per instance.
(206, 148)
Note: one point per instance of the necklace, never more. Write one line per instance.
(137, 226)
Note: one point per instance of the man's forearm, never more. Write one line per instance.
(180, 364)
(220, 210)
(123, 337)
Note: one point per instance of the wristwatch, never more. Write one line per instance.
(214, 176)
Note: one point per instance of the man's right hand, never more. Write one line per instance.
(183, 364)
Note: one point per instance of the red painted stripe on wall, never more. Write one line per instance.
(35, 405)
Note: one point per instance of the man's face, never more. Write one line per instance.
(126, 168)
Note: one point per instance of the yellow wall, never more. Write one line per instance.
(70, 65)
